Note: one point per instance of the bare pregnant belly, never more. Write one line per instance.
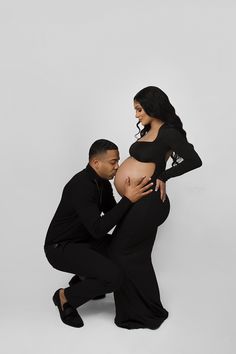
(132, 168)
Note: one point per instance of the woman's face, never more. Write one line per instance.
(142, 116)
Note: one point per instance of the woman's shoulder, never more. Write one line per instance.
(171, 130)
(172, 136)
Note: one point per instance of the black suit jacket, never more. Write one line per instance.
(78, 215)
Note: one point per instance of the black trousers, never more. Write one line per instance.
(89, 260)
(137, 300)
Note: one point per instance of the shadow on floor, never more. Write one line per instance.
(106, 307)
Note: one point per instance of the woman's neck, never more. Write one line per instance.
(155, 125)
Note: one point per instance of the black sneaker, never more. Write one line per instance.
(68, 315)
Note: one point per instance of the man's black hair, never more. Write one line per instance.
(101, 146)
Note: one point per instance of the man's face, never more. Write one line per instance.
(106, 164)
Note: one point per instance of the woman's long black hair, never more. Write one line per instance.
(157, 105)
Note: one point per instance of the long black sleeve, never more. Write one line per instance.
(108, 198)
(89, 213)
(191, 160)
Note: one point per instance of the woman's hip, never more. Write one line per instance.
(136, 232)
(148, 213)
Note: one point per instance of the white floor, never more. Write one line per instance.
(198, 322)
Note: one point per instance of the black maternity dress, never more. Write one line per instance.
(137, 301)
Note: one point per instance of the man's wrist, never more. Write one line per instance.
(127, 199)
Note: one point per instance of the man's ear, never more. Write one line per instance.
(95, 162)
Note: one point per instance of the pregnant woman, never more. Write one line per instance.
(137, 301)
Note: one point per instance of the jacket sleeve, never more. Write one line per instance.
(178, 143)
(108, 198)
(85, 205)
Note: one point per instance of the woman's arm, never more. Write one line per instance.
(191, 160)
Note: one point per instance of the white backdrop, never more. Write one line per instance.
(69, 71)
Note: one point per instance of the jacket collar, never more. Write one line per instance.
(93, 174)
